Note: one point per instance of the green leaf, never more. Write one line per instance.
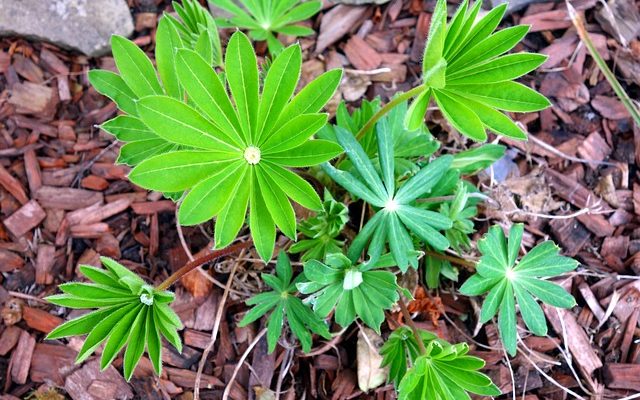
(507, 321)
(293, 133)
(128, 129)
(415, 115)
(137, 341)
(209, 197)
(506, 280)
(295, 187)
(279, 84)
(242, 75)
(506, 96)
(154, 343)
(208, 93)
(531, 312)
(232, 216)
(500, 69)
(167, 40)
(277, 203)
(490, 47)
(313, 152)
(424, 180)
(460, 116)
(79, 326)
(443, 372)
(476, 159)
(114, 87)
(260, 222)
(119, 336)
(312, 97)
(434, 48)
(180, 170)
(178, 123)
(135, 67)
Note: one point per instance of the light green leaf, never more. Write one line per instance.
(135, 67)
(313, 152)
(460, 116)
(242, 74)
(113, 86)
(177, 122)
(506, 96)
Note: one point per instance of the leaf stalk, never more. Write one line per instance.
(412, 325)
(191, 265)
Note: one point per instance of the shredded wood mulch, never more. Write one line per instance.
(64, 202)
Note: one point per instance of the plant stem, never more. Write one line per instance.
(388, 107)
(412, 325)
(578, 22)
(191, 265)
(456, 260)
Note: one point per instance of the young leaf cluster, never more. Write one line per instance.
(283, 305)
(264, 19)
(129, 313)
(466, 72)
(239, 153)
(396, 216)
(361, 290)
(444, 372)
(508, 280)
(321, 230)
(408, 145)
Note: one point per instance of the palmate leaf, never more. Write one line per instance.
(469, 77)
(283, 305)
(396, 215)
(264, 19)
(138, 77)
(321, 230)
(362, 291)
(445, 372)
(507, 280)
(242, 146)
(129, 313)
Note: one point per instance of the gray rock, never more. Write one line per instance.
(84, 25)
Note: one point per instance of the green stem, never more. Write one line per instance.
(412, 325)
(191, 265)
(578, 22)
(388, 107)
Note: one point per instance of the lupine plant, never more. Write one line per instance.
(232, 140)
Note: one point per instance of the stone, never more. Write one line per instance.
(83, 25)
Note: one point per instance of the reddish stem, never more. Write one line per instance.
(191, 265)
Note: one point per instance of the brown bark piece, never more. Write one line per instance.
(581, 197)
(40, 320)
(622, 376)
(32, 168)
(571, 234)
(21, 358)
(576, 339)
(10, 261)
(90, 383)
(337, 22)
(186, 378)
(32, 98)
(67, 198)
(44, 262)
(52, 362)
(361, 54)
(26, 218)
(594, 148)
(8, 339)
(152, 207)
(13, 186)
